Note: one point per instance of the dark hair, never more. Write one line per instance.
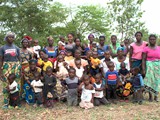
(102, 36)
(36, 74)
(42, 51)
(49, 68)
(137, 69)
(76, 39)
(123, 63)
(24, 39)
(72, 69)
(114, 36)
(70, 34)
(12, 76)
(139, 33)
(152, 35)
(33, 61)
(110, 64)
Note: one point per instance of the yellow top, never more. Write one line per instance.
(47, 64)
(95, 62)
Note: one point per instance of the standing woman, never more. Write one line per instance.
(91, 40)
(136, 49)
(70, 44)
(114, 46)
(51, 50)
(9, 63)
(26, 55)
(151, 68)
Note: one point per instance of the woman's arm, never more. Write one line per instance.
(144, 56)
(130, 56)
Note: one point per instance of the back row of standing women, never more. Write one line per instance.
(140, 54)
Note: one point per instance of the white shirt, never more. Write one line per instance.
(86, 94)
(37, 83)
(98, 94)
(35, 49)
(79, 72)
(11, 86)
(104, 66)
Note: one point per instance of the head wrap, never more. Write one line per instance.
(90, 35)
(24, 39)
(28, 38)
(120, 48)
(61, 43)
(33, 61)
(9, 34)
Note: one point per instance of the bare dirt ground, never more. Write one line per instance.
(120, 111)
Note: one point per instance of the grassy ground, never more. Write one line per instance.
(120, 111)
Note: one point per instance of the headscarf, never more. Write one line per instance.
(28, 38)
(90, 35)
(33, 61)
(10, 34)
(120, 48)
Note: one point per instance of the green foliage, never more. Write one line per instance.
(126, 14)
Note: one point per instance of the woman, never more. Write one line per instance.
(91, 40)
(102, 48)
(50, 50)
(121, 58)
(70, 44)
(136, 49)
(29, 77)
(9, 62)
(26, 55)
(114, 46)
(151, 67)
(78, 46)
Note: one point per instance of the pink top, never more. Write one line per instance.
(152, 54)
(137, 50)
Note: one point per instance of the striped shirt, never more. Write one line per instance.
(111, 77)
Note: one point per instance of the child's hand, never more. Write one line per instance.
(65, 64)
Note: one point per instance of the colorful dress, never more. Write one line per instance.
(114, 51)
(28, 91)
(152, 78)
(11, 64)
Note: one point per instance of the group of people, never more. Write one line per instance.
(80, 74)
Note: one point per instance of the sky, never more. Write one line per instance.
(151, 16)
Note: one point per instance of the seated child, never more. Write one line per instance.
(37, 86)
(95, 63)
(99, 95)
(60, 66)
(71, 83)
(46, 63)
(79, 68)
(48, 90)
(137, 83)
(123, 72)
(87, 96)
(111, 81)
(68, 56)
(13, 90)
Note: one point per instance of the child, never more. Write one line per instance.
(99, 87)
(123, 72)
(95, 63)
(87, 96)
(72, 83)
(68, 56)
(36, 48)
(111, 81)
(137, 83)
(94, 46)
(49, 84)
(13, 90)
(60, 66)
(37, 86)
(79, 68)
(46, 63)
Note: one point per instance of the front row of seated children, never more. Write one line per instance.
(91, 94)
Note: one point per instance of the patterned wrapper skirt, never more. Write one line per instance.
(8, 68)
(152, 78)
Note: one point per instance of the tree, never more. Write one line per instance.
(125, 16)
(35, 18)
